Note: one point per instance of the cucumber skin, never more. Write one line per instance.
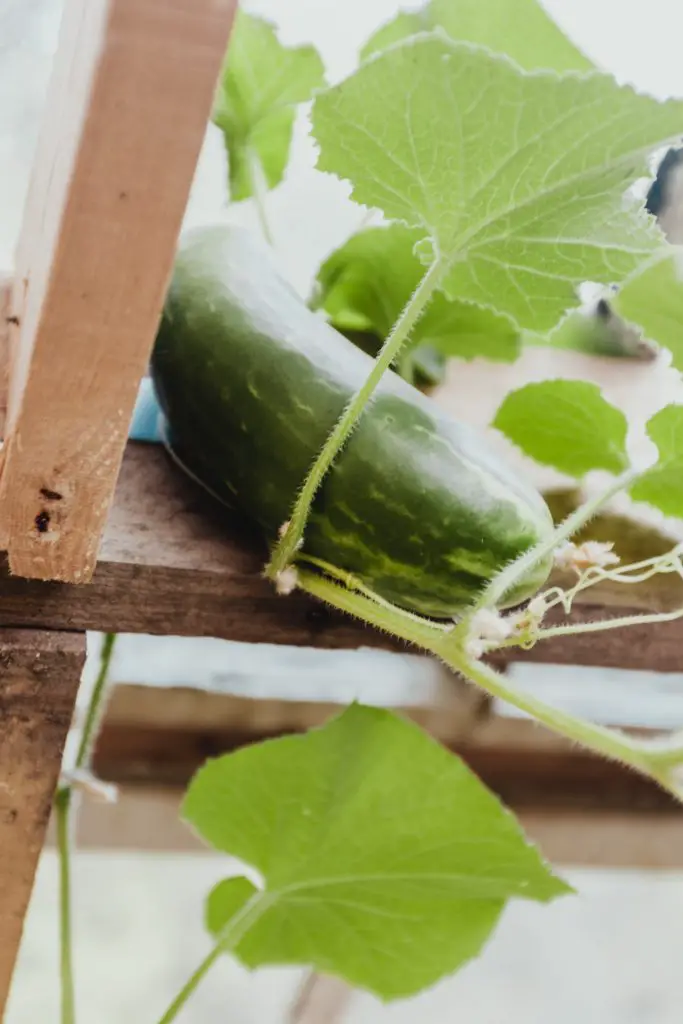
(251, 382)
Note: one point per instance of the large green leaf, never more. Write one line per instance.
(652, 299)
(365, 284)
(383, 858)
(662, 486)
(521, 29)
(261, 82)
(518, 180)
(566, 424)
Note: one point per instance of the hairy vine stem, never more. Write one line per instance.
(259, 191)
(234, 931)
(505, 580)
(656, 759)
(293, 533)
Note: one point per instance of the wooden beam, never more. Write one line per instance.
(160, 737)
(173, 562)
(39, 677)
(148, 818)
(127, 111)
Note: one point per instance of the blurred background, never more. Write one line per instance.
(610, 955)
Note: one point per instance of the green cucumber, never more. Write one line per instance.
(251, 382)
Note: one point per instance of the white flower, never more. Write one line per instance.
(589, 555)
(536, 607)
(286, 581)
(488, 628)
(490, 625)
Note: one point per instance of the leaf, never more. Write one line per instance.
(595, 333)
(226, 900)
(365, 284)
(662, 486)
(566, 424)
(384, 859)
(652, 299)
(522, 30)
(517, 180)
(260, 84)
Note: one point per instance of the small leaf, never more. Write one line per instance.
(261, 82)
(384, 859)
(662, 486)
(225, 900)
(522, 30)
(566, 424)
(365, 284)
(596, 334)
(653, 300)
(517, 179)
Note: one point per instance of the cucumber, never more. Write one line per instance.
(251, 382)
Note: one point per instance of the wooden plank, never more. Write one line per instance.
(173, 562)
(153, 736)
(127, 111)
(39, 677)
(147, 818)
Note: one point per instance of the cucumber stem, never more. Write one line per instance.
(620, 622)
(233, 933)
(293, 534)
(259, 191)
(505, 580)
(655, 759)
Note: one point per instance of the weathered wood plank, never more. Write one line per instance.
(39, 677)
(148, 818)
(127, 111)
(173, 562)
(155, 737)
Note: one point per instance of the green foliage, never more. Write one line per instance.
(566, 424)
(662, 486)
(652, 299)
(522, 30)
(594, 334)
(365, 284)
(383, 858)
(260, 85)
(516, 181)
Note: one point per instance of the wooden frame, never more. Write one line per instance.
(41, 672)
(130, 98)
(128, 104)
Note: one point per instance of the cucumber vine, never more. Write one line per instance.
(492, 231)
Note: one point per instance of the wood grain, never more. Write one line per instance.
(173, 562)
(153, 737)
(148, 818)
(39, 677)
(127, 111)
(5, 326)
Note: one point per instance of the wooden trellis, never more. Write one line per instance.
(131, 95)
